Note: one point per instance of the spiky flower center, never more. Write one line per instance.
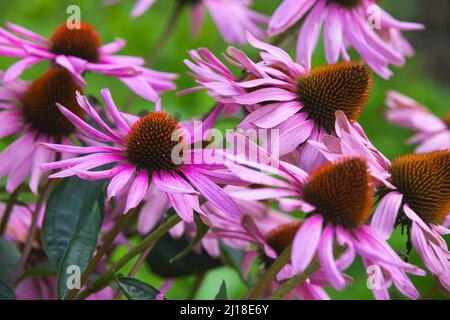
(149, 144)
(343, 86)
(39, 102)
(279, 238)
(447, 120)
(83, 43)
(347, 3)
(341, 192)
(424, 182)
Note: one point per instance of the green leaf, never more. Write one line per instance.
(202, 230)
(222, 294)
(135, 289)
(192, 263)
(67, 206)
(80, 248)
(9, 258)
(6, 293)
(42, 270)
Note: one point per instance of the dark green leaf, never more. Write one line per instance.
(6, 293)
(202, 230)
(80, 248)
(222, 294)
(41, 270)
(135, 289)
(67, 206)
(9, 257)
(192, 263)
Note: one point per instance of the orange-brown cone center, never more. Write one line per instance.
(341, 192)
(424, 181)
(149, 144)
(347, 3)
(39, 102)
(343, 86)
(83, 43)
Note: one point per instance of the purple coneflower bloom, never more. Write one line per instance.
(346, 23)
(232, 17)
(433, 133)
(140, 152)
(279, 94)
(337, 198)
(419, 201)
(29, 110)
(271, 231)
(81, 50)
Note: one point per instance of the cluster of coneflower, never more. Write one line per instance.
(325, 197)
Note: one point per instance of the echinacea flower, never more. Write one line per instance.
(337, 198)
(30, 112)
(232, 17)
(141, 152)
(360, 24)
(351, 141)
(279, 94)
(433, 133)
(420, 202)
(262, 233)
(80, 50)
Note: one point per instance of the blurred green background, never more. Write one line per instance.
(424, 77)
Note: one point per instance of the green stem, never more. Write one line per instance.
(50, 185)
(294, 282)
(147, 242)
(7, 214)
(271, 273)
(160, 43)
(109, 239)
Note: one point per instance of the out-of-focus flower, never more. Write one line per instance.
(279, 94)
(360, 24)
(30, 111)
(337, 198)
(419, 200)
(79, 51)
(140, 151)
(232, 17)
(433, 133)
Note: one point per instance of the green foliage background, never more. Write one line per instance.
(414, 79)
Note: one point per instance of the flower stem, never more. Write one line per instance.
(109, 239)
(264, 282)
(167, 31)
(49, 186)
(7, 214)
(294, 282)
(147, 242)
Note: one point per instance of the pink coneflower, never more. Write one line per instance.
(81, 50)
(347, 23)
(232, 17)
(420, 202)
(351, 141)
(337, 199)
(141, 154)
(433, 133)
(29, 111)
(270, 231)
(279, 94)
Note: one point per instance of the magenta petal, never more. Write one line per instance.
(120, 181)
(383, 220)
(326, 258)
(212, 192)
(137, 191)
(306, 242)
